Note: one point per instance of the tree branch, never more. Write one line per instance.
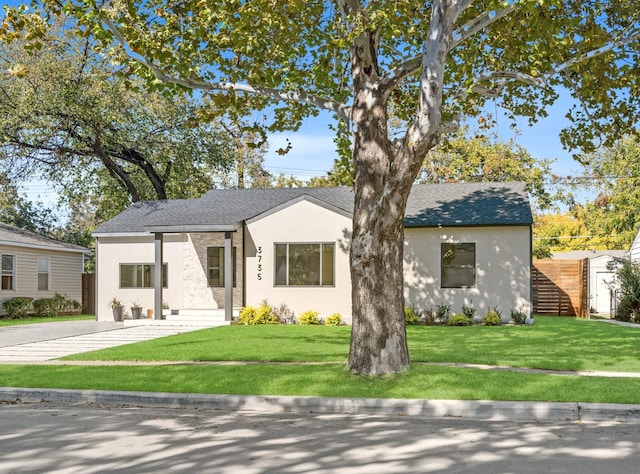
(338, 108)
(412, 66)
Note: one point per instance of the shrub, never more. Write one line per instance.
(411, 316)
(442, 313)
(519, 316)
(468, 311)
(492, 319)
(262, 314)
(284, 314)
(17, 307)
(459, 320)
(334, 320)
(629, 305)
(50, 307)
(309, 317)
(429, 317)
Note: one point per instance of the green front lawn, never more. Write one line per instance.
(53, 319)
(422, 381)
(553, 343)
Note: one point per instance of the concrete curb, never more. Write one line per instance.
(473, 409)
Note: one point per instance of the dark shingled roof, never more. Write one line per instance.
(430, 205)
(11, 235)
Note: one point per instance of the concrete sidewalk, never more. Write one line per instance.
(50, 341)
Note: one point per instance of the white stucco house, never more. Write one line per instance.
(467, 243)
(38, 267)
(603, 267)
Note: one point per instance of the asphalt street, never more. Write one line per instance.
(89, 438)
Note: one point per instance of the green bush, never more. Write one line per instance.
(442, 313)
(334, 320)
(492, 319)
(629, 306)
(411, 316)
(519, 316)
(308, 318)
(459, 320)
(263, 314)
(17, 307)
(468, 311)
(59, 304)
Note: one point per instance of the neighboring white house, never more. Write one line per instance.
(38, 267)
(634, 253)
(603, 284)
(466, 243)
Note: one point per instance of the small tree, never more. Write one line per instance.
(629, 305)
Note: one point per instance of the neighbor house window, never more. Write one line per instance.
(43, 273)
(140, 275)
(8, 272)
(458, 265)
(215, 266)
(304, 264)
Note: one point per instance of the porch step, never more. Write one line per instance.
(186, 317)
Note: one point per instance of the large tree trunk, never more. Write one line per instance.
(378, 335)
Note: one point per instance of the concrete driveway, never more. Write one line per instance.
(50, 341)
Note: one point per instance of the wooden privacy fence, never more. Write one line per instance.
(560, 287)
(88, 293)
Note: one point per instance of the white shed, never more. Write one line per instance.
(603, 265)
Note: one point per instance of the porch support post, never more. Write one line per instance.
(228, 276)
(157, 276)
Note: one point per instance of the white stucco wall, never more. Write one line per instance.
(112, 251)
(302, 222)
(503, 269)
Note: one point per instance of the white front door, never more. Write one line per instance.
(604, 291)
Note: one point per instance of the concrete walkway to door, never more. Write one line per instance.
(49, 341)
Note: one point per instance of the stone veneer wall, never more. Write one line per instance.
(196, 292)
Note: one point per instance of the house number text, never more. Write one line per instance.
(259, 254)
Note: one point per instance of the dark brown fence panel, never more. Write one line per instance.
(560, 287)
(88, 293)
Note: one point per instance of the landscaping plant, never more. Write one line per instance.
(411, 316)
(334, 320)
(459, 320)
(262, 314)
(629, 306)
(492, 319)
(309, 317)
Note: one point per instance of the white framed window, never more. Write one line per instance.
(215, 266)
(140, 275)
(44, 270)
(308, 264)
(8, 272)
(458, 265)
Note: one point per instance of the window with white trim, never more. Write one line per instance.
(8, 272)
(458, 265)
(44, 268)
(140, 275)
(309, 264)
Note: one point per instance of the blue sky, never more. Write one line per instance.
(313, 150)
